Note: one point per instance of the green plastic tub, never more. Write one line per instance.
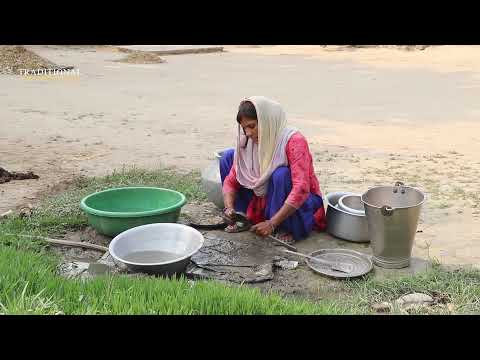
(114, 211)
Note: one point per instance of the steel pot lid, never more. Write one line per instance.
(352, 203)
(361, 263)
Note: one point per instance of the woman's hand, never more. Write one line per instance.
(263, 229)
(229, 201)
(230, 214)
(267, 228)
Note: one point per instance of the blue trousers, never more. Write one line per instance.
(299, 224)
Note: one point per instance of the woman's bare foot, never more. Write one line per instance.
(286, 238)
(231, 228)
(237, 227)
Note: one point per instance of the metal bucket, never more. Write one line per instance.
(392, 215)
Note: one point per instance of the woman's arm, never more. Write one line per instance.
(283, 214)
(300, 163)
(229, 200)
(230, 188)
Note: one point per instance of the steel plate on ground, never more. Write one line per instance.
(361, 263)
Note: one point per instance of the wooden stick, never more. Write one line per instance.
(64, 242)
(280, 242)
(5, 214)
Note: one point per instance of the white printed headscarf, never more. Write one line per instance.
(255, 163)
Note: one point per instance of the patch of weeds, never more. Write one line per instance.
(23, 291)
(459, 193)
(459, 287)
(383, 172)
(394, 167)
(353, 181)
(432, 186)
(401, 175)
(43, 292)
(29, 283)
(474, 199)
(450, 175)
(443, 205)
(63, 210)
(433, 171)
(31, 304)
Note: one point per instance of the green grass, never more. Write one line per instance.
(63, 210)
(29, 283)
(461, 287)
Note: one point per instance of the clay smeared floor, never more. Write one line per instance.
(246, 259)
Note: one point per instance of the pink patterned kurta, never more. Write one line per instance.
(304, 182)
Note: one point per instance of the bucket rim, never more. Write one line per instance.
(391, 187)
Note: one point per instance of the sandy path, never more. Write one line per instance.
(371, 115)
(446, 59)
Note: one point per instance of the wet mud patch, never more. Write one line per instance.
(7, 176)
(239, 259)
(200, 213)
(82, 263)
(86, 235)
(244, 258)
(235, 259)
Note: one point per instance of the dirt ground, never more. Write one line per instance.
(239, 258)
(372, 116)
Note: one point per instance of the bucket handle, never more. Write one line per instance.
(400, 185)
(386, 210)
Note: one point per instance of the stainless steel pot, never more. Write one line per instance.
(211, 181)
(392, 213)
(345, 225)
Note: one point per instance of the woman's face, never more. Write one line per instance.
(250, 126)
